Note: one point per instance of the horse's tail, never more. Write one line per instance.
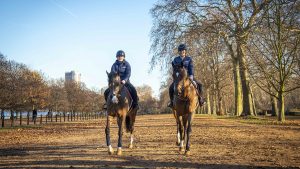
(128, 124)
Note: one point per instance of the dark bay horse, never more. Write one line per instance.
(119, 104)
(185, 104)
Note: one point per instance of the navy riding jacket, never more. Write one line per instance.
(187, 64)
(123, 68)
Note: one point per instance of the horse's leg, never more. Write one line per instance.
(178, 134)
(121, 120)
(132, 120)
(107, 133)
(131, 140)
(177, 125)
(184, 121)
(179, 122)
(189, 130)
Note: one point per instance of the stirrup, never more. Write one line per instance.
(135, 105)
(170, 104)
(104, 106)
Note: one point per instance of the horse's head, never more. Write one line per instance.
(179, 75)
(114, 84)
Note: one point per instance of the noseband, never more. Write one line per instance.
(114, 95)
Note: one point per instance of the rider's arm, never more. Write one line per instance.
(191, 68)
(127, 72)
(113, 68)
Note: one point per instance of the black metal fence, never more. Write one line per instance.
(28, 120)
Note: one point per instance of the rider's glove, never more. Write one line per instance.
(123, 82)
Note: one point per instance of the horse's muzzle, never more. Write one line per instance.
(115, 99)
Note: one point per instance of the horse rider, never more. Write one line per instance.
(188, 65)
(122, 67)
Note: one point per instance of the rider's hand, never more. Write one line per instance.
(191, 77)
(123, 82)
(195, 83)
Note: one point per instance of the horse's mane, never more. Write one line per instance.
(180, 76)
(122, 92)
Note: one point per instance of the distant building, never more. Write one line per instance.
(72, 76)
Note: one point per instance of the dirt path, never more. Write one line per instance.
(216, 143)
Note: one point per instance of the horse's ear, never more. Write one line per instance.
(107, 73)
(181, 65)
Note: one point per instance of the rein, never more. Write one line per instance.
(118, 95)
(121, 88)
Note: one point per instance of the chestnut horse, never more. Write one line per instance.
(185, 104)
(119, 104)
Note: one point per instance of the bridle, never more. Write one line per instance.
(113, 86)
(180, 95)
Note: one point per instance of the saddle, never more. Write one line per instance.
(130, 95)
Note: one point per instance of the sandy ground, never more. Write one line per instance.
(216, 143)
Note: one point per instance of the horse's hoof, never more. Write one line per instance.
(119, 152)
(130, 146)
(187, 153)
(177, 143)
(181, 149)
(110, 152)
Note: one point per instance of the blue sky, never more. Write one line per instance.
(55, 36)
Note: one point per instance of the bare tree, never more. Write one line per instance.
(277, 51)
(176, 21)
(57, 100)
(148, 104)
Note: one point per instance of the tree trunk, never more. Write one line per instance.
(281, 116)
(2, 118)
(274, 106)
(247, 99)
(12, 118)
(214, 106)
(220, 105)
(208, 102)
(237, 88)
(253, 103)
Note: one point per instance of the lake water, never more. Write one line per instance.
(24, 114)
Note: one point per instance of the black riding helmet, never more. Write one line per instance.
(120, 53)
(182, 47)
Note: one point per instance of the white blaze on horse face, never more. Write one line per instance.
(115, 99)
(177, 74)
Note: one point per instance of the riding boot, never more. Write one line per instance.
(134, 95)
(106, 93)
(201, 101)
(135, 105)
(170, 104)
(171, 95)
(135, 102)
